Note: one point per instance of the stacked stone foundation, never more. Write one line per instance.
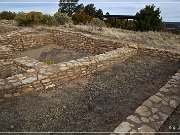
(38, 75)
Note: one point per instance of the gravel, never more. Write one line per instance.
(172, 124)
(95, 103)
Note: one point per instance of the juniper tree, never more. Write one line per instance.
(148, 19)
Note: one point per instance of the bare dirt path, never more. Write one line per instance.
(99, 102)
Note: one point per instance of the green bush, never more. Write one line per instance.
(148, 19)
(21, 18)
(48, 20)
(62, 18)
(7, 15)
(29, 18)
(96, 22)
(81, 18)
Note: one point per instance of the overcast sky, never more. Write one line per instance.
(170, 8)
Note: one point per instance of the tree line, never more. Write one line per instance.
(147, 19)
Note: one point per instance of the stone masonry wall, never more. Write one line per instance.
(79, 42)
(6, 61)
(22, 41)
(41, 76)
(34, 38)
(166, 54)
(5, 28)
(68, 39)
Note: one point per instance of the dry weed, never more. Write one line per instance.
(162, 40)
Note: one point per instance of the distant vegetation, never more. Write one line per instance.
(7, 15)
(173, 27)
(29, 18)
(71, 12)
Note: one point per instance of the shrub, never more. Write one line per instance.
(29, 18)
(81, 18)
(7, 15)
(21, 18)
(148, 19)
(62, 18)
(48, 20)
(96, 22)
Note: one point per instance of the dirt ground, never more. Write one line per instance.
(95, 103)
(54, 53)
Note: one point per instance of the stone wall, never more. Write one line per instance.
(5, 28)
(164, 54)
(68, 39)
(6, 61)
(41, 76)
(79, 42)
(21, 41)
(7, 22)
(28, 38)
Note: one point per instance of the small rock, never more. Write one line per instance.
(164, 89)
(143, 111)
(148, 103)
(176, 98)
(151, 119)
(155, 117)
(146, 128)
(154, 110)
(163, 116)
(174, 103)
(155, 98)
(145, 119)
(164, 103)
(11, 126)
(160, 94)
(123, 127)
(134, 119)
(167, 109)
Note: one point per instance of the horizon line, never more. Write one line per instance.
(90, 2)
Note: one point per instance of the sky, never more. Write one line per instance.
(170, 9)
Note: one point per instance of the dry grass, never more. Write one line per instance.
(161, 40)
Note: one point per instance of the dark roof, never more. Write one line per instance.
(119, 16)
